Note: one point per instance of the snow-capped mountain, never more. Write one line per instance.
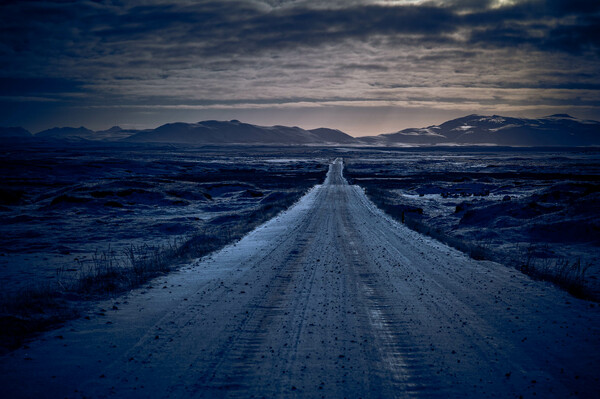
(553, 130)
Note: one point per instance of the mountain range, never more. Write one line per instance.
(553, 130)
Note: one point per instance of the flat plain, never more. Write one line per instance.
(331, 298)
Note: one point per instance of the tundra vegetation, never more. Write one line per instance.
(81, 225)
(535, 210)
(86, 223)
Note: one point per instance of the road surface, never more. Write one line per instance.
(330, 299)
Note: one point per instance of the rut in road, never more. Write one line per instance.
(330, 299)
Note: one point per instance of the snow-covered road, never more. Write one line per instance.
(330, 299)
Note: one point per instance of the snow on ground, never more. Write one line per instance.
(330, 299)
(63, 207)
(512, 202)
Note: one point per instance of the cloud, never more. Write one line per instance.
(240, 27)
(235, 52)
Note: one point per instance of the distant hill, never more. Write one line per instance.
(333, 136)
(236, 132)
(14, 133)
(553, 130)
(113, 134)
(66, 133)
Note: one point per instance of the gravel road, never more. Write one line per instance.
(330, 299)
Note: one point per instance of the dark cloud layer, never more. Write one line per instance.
(242, 26)
(262, 54)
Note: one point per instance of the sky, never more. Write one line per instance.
(362, 66)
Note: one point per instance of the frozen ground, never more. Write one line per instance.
(330, 299)
(61, 207)
(516, 204)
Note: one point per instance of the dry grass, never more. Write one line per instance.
(43, 307)
(410, 216)
(569, 275)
